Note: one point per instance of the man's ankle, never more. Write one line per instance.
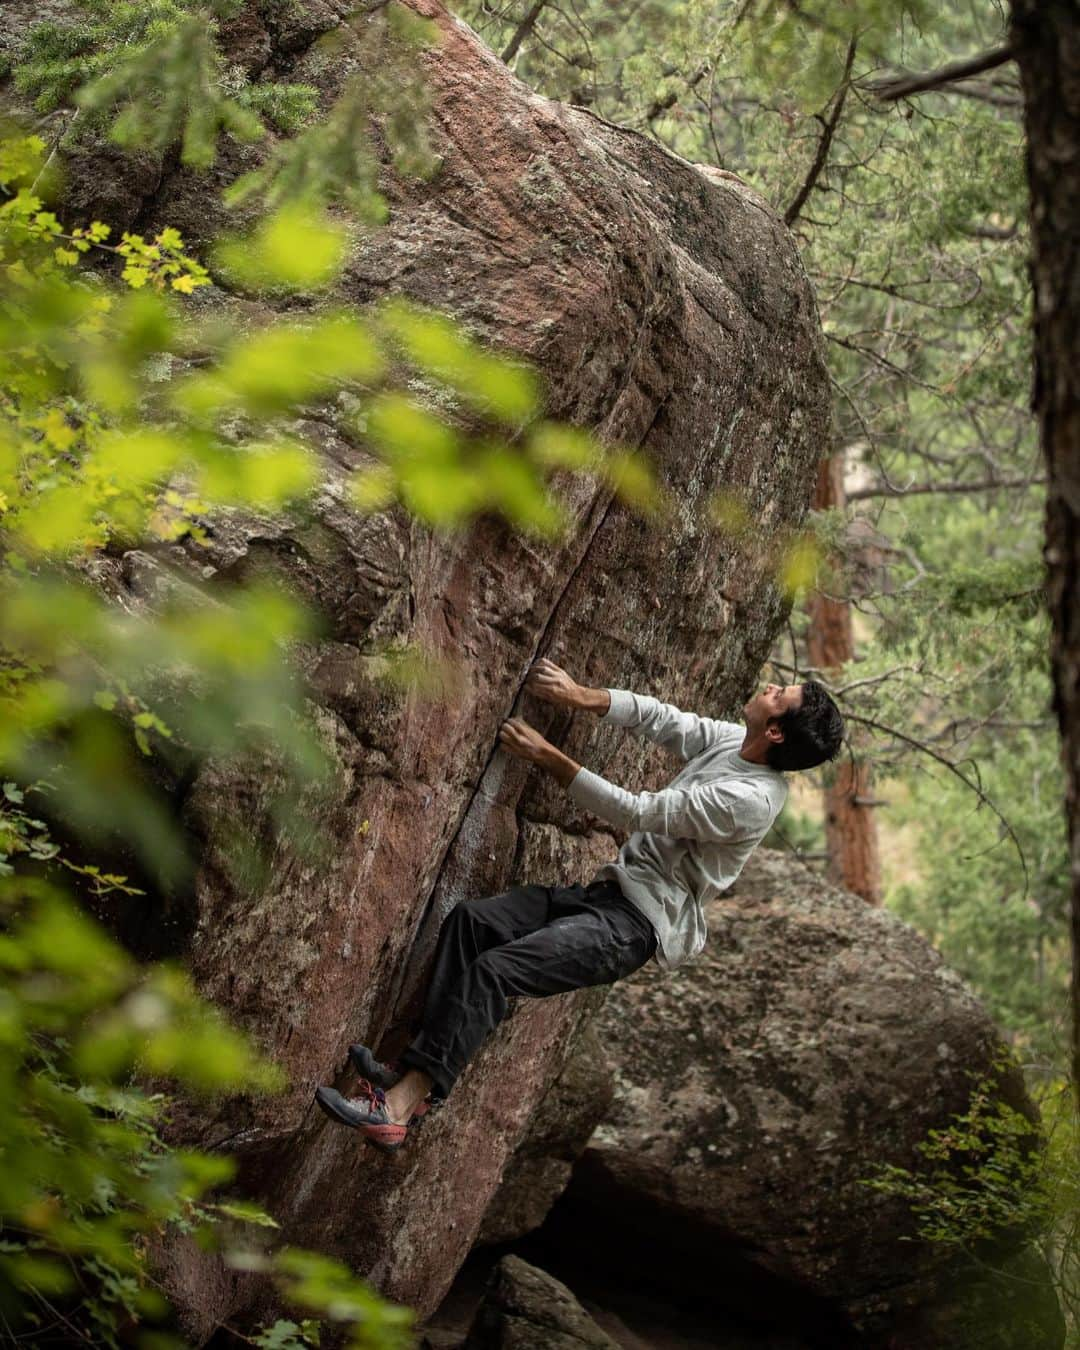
(401, 1105)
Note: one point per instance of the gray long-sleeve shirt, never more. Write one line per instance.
(690, 840)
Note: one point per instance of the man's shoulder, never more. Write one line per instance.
(726, 733)
(758, 789)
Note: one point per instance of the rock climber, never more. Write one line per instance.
(687, 843)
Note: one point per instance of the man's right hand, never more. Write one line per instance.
(552, 684)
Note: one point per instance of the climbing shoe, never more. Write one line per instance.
(372, 1070)
(368, 1114)
(368, 1067)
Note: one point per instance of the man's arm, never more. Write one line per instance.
(561, 767)
(707, 811)
(713, 812)
(593, 700)
(685, 734)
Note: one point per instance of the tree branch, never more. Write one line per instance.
(915, 744)
(999, 97)
(925, 489)
(990, 231)
(660, 105)
(522, 31)
(791, 215)
(904, 85)
(947, 763)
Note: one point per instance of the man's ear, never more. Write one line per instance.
(774, 731)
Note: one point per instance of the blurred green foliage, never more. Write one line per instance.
(96, 452)
(87, 1181)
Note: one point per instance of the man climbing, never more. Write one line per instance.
(688, 842)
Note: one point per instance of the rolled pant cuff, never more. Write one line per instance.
(441, 1079)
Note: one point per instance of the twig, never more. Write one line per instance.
(923, 489)
(903, 85)
(948, 764)
(993, 94)
(660, 105)
(1002, 232)
(522, 31)
(829, 125)
(877, 679)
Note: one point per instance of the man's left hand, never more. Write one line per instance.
(524, 741)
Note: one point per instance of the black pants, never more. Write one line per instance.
(531, 940)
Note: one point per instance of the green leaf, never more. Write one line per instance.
(297, 248)
(248, 1213)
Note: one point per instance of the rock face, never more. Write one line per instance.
(527, 1309)
(666, 310)
(815, 1037)
(573, 1106)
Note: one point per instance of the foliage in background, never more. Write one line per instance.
(989, 1172)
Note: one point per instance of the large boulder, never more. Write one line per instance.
(665, 309)
(758, 1086)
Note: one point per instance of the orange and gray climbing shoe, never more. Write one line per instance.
(368, 1114)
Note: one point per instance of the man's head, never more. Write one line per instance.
(799, 723)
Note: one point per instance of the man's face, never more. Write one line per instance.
(773, 701)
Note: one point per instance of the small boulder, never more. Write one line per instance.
(526, 1309)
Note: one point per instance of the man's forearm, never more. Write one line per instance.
(594, 700)
(561, 767)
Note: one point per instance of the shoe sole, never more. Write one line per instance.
(383, 1145)
(375, 1135)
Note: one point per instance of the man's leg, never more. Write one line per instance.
(593, 936)
(471, 927)
(475, 926)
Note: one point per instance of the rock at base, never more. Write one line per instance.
(813, 1040)
(526, 1309)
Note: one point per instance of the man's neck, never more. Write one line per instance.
(755, 749)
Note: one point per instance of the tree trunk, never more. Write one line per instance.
(1046, 34)
(850, 828)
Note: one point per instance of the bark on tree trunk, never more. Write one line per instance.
(850, 828)
(1046, 36)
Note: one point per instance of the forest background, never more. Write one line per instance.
(911, 214)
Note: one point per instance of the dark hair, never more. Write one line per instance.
(812, 732)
